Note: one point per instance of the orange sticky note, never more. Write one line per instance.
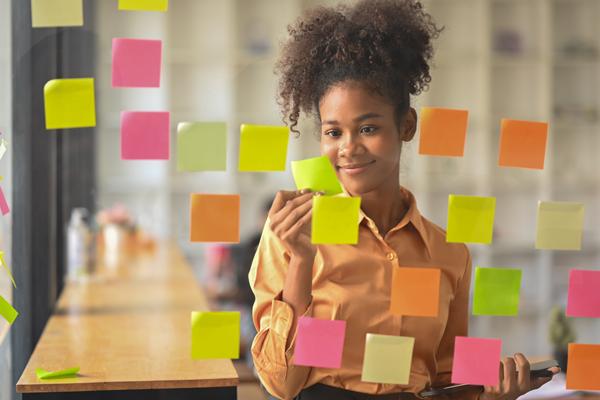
(415, 291)
(523, 144)
(443, 131)
(215, 218)
(583, 372)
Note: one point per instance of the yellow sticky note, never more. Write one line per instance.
(52, 13)
(387, 359)
(559, 225)
(215, 334)
(5, 265)
(335, 220)
(263, 148)
(62, 374)
(70, 103)
(7, 311)
(144, 5)
(470, 219)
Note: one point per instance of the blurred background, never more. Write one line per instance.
(521, 59)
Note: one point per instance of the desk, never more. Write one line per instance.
(128, 328)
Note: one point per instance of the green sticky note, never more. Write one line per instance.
(559, 225)
(316, 174)
(70, 103)
(497, 291)
(7, 311)
(201, 146)
(144, 5)
(53, 13)
(263, 148)
(470, 219)
(215, 334)
(8, 271)
(65, 373)
(384, 351)
(335, 220)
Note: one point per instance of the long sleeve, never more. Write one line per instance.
(273, 319)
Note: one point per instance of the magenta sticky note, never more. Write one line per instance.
(136, 62)
(3, 204)
(584, 294)
(476, 361)
(319, 343)
(145, 135)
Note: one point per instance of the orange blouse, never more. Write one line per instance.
(353, 283)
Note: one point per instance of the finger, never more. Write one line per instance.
(510, 375)
(292, 219)
(276, 217)
(523, 379)
(299, 227)
(501, 377)
(280, 199)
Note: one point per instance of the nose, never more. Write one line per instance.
(350, 145)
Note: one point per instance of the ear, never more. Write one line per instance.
(409, 127)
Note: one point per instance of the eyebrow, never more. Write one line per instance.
(357, 119)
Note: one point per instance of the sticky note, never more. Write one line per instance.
(263, 148)
(523, 144)
(497, 291)
(7, 268)
(584, 294)
(145, 135)
(470, 219)
(70, 103)
(583, 372)
(443, 131)
(415, 291)
(65, 373)
(52, 13)
(215, 334)
(7, 311)
(3, 148)
(316, 174)
(144, 5)
(559, 225)
(201, 146)
(136, 62)
(319, 343)
(335, 220)
(4, 208)
(384, 351)
(476, 361)
(215, 218)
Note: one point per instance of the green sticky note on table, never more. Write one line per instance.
(65, 373)
(70, 103)
(559, 225)
(53, 13)
(202, 146)
(316, 174)
(335, 220)
(470, 219)
(7, 269)
(7, 311)
(497, 291)
(387, 359)
(215, 334)
(144, 5)
(263, 148)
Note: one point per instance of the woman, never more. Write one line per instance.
(354, 69)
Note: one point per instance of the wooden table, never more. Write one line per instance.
(128, 328)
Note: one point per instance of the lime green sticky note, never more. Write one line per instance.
(65, 373)
(5, 265)
(470, 219)
(202, 146)
(387, 359)
(7, 311)
(144, 5)
(335, 220)
(316, 174)
(263, 148)
(70, 103)
(215, 334)
(497, 291)
(53, 13)
(559, 225)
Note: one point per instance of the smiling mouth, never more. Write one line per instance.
(355, 168)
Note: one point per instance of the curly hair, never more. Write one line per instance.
(384, 44)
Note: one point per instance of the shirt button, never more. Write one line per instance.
(391, 256)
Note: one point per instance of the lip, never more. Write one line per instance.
(357, 168)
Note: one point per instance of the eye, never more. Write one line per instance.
(333, 133)
(368, 130)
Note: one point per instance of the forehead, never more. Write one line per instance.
(351, 98)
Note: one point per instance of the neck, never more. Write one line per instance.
(386, 206)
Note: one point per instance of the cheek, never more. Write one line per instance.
(330, 151)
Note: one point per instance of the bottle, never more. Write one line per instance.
(78, 244)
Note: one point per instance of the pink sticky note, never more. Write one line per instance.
(476, 361)
(136, 62)
(584, 294)
(145, 135)
(319, 343)
(3, 204)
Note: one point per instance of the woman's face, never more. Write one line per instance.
(361, 138)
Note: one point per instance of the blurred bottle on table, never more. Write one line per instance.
(79, 245)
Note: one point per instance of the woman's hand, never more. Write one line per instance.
(512, 383)
(290, 219)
